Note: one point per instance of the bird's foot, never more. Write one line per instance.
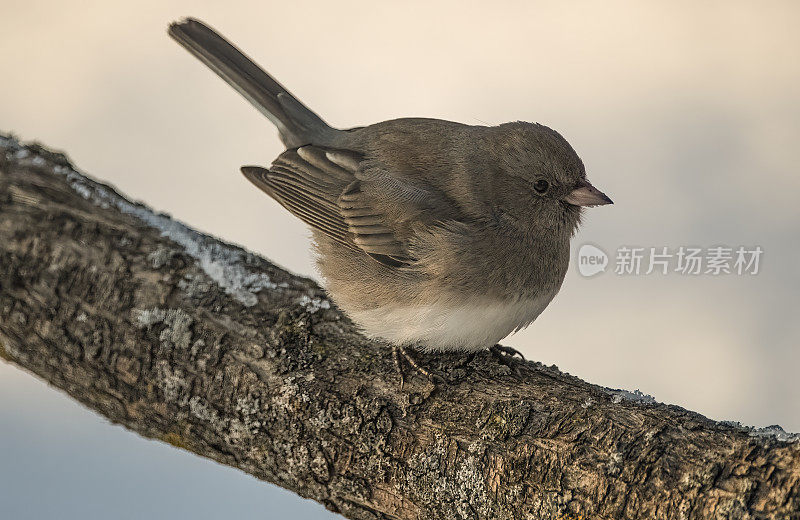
(502, 350)
(399, 352)
(505, 355)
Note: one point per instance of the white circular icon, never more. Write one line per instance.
(591, 260)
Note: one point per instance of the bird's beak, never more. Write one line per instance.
(585, 194)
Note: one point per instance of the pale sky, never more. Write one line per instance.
(686, 114)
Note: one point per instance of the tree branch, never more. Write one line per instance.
(184, 338)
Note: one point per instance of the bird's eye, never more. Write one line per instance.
(541, 186)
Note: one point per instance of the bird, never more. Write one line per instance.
(429, 234)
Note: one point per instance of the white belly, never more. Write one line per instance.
(471, 325)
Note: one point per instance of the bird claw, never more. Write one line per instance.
(399, 352)
(505, 355)
(502, 350)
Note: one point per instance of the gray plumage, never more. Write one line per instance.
(429, 233)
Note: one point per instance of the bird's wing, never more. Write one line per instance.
(328, 190)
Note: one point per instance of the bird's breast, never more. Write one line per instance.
(469, 325)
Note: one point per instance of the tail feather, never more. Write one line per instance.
(297, 124)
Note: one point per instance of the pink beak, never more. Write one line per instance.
(587, 195)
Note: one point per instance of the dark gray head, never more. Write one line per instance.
(534, 179)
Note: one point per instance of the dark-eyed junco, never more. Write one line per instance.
(430, 233)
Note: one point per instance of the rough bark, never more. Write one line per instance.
(184, 338)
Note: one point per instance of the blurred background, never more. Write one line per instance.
(687, 114)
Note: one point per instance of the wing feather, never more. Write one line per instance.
(319, 186)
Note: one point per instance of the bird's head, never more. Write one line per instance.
(537, 180)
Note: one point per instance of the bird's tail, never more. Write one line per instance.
(297, 124)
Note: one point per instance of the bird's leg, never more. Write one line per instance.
(502, 350)
(398, 351)
(397, 366)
